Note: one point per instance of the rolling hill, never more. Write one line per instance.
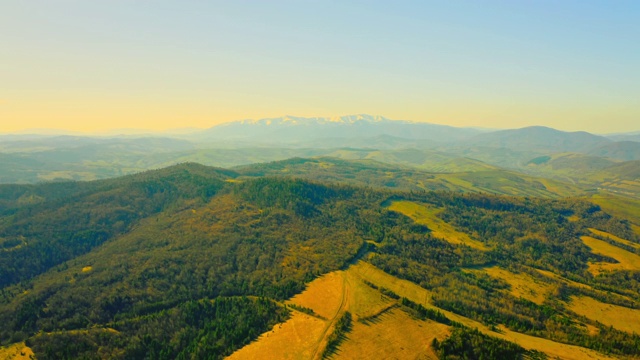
(620, 150)
(539, 138)
(380, 175)
(198, 261)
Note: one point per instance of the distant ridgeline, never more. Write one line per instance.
(558, 162)
(196, 262)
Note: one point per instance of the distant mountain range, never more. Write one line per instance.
(574, 157)
(344, 229)
(291, 129)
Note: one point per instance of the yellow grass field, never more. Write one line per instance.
(401, 287)
(623, 207)
(428, 216)
(394, 335)
(552, 275)
(294, 339)
(522, 285)
(324, 295)
(614, 238)
(304, 336)
(627, 260)
(18, 351)
(555, 350)
(364, 301)
(619, 317)
(419, 295)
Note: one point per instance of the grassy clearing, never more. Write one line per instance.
(364, 301)
(67, 175)
(627, 260)
(391, 334)
(401, 287)
(625, 208)
(394, 335)
(427, 215)
(421, 296)
(555, 350)
(329, 296)
(522, 285)
(619, 317)
(294, 339)
(304, 336)
(555, 276)
(18, 351)
(605, 235)
(324, 295)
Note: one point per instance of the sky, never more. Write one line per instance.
(153, 64)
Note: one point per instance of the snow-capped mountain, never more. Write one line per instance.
(293, 129)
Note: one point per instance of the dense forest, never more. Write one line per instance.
(195, 262)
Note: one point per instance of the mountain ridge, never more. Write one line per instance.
(540, 138)
(295, 129)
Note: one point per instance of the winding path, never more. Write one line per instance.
(344, 301)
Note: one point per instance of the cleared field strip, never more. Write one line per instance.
(555, 350)
(401, 287)
(620, 240)
(394, 335)
(427, 215)
(627, 260)
(323, 295)
(294, 339)
(364, 300)
(552, 275)
(522, 285)
(419, 295)
(623, 207)
(619, 317)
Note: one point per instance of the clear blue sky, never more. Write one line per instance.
(98, 64)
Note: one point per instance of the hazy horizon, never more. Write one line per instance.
(100, 65)
(187, 130)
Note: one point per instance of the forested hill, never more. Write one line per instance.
(195, 262)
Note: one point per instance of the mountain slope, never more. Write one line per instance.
(380, 175)
(539, 138)
(93, 214)
(620, 150)
(208, 241)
